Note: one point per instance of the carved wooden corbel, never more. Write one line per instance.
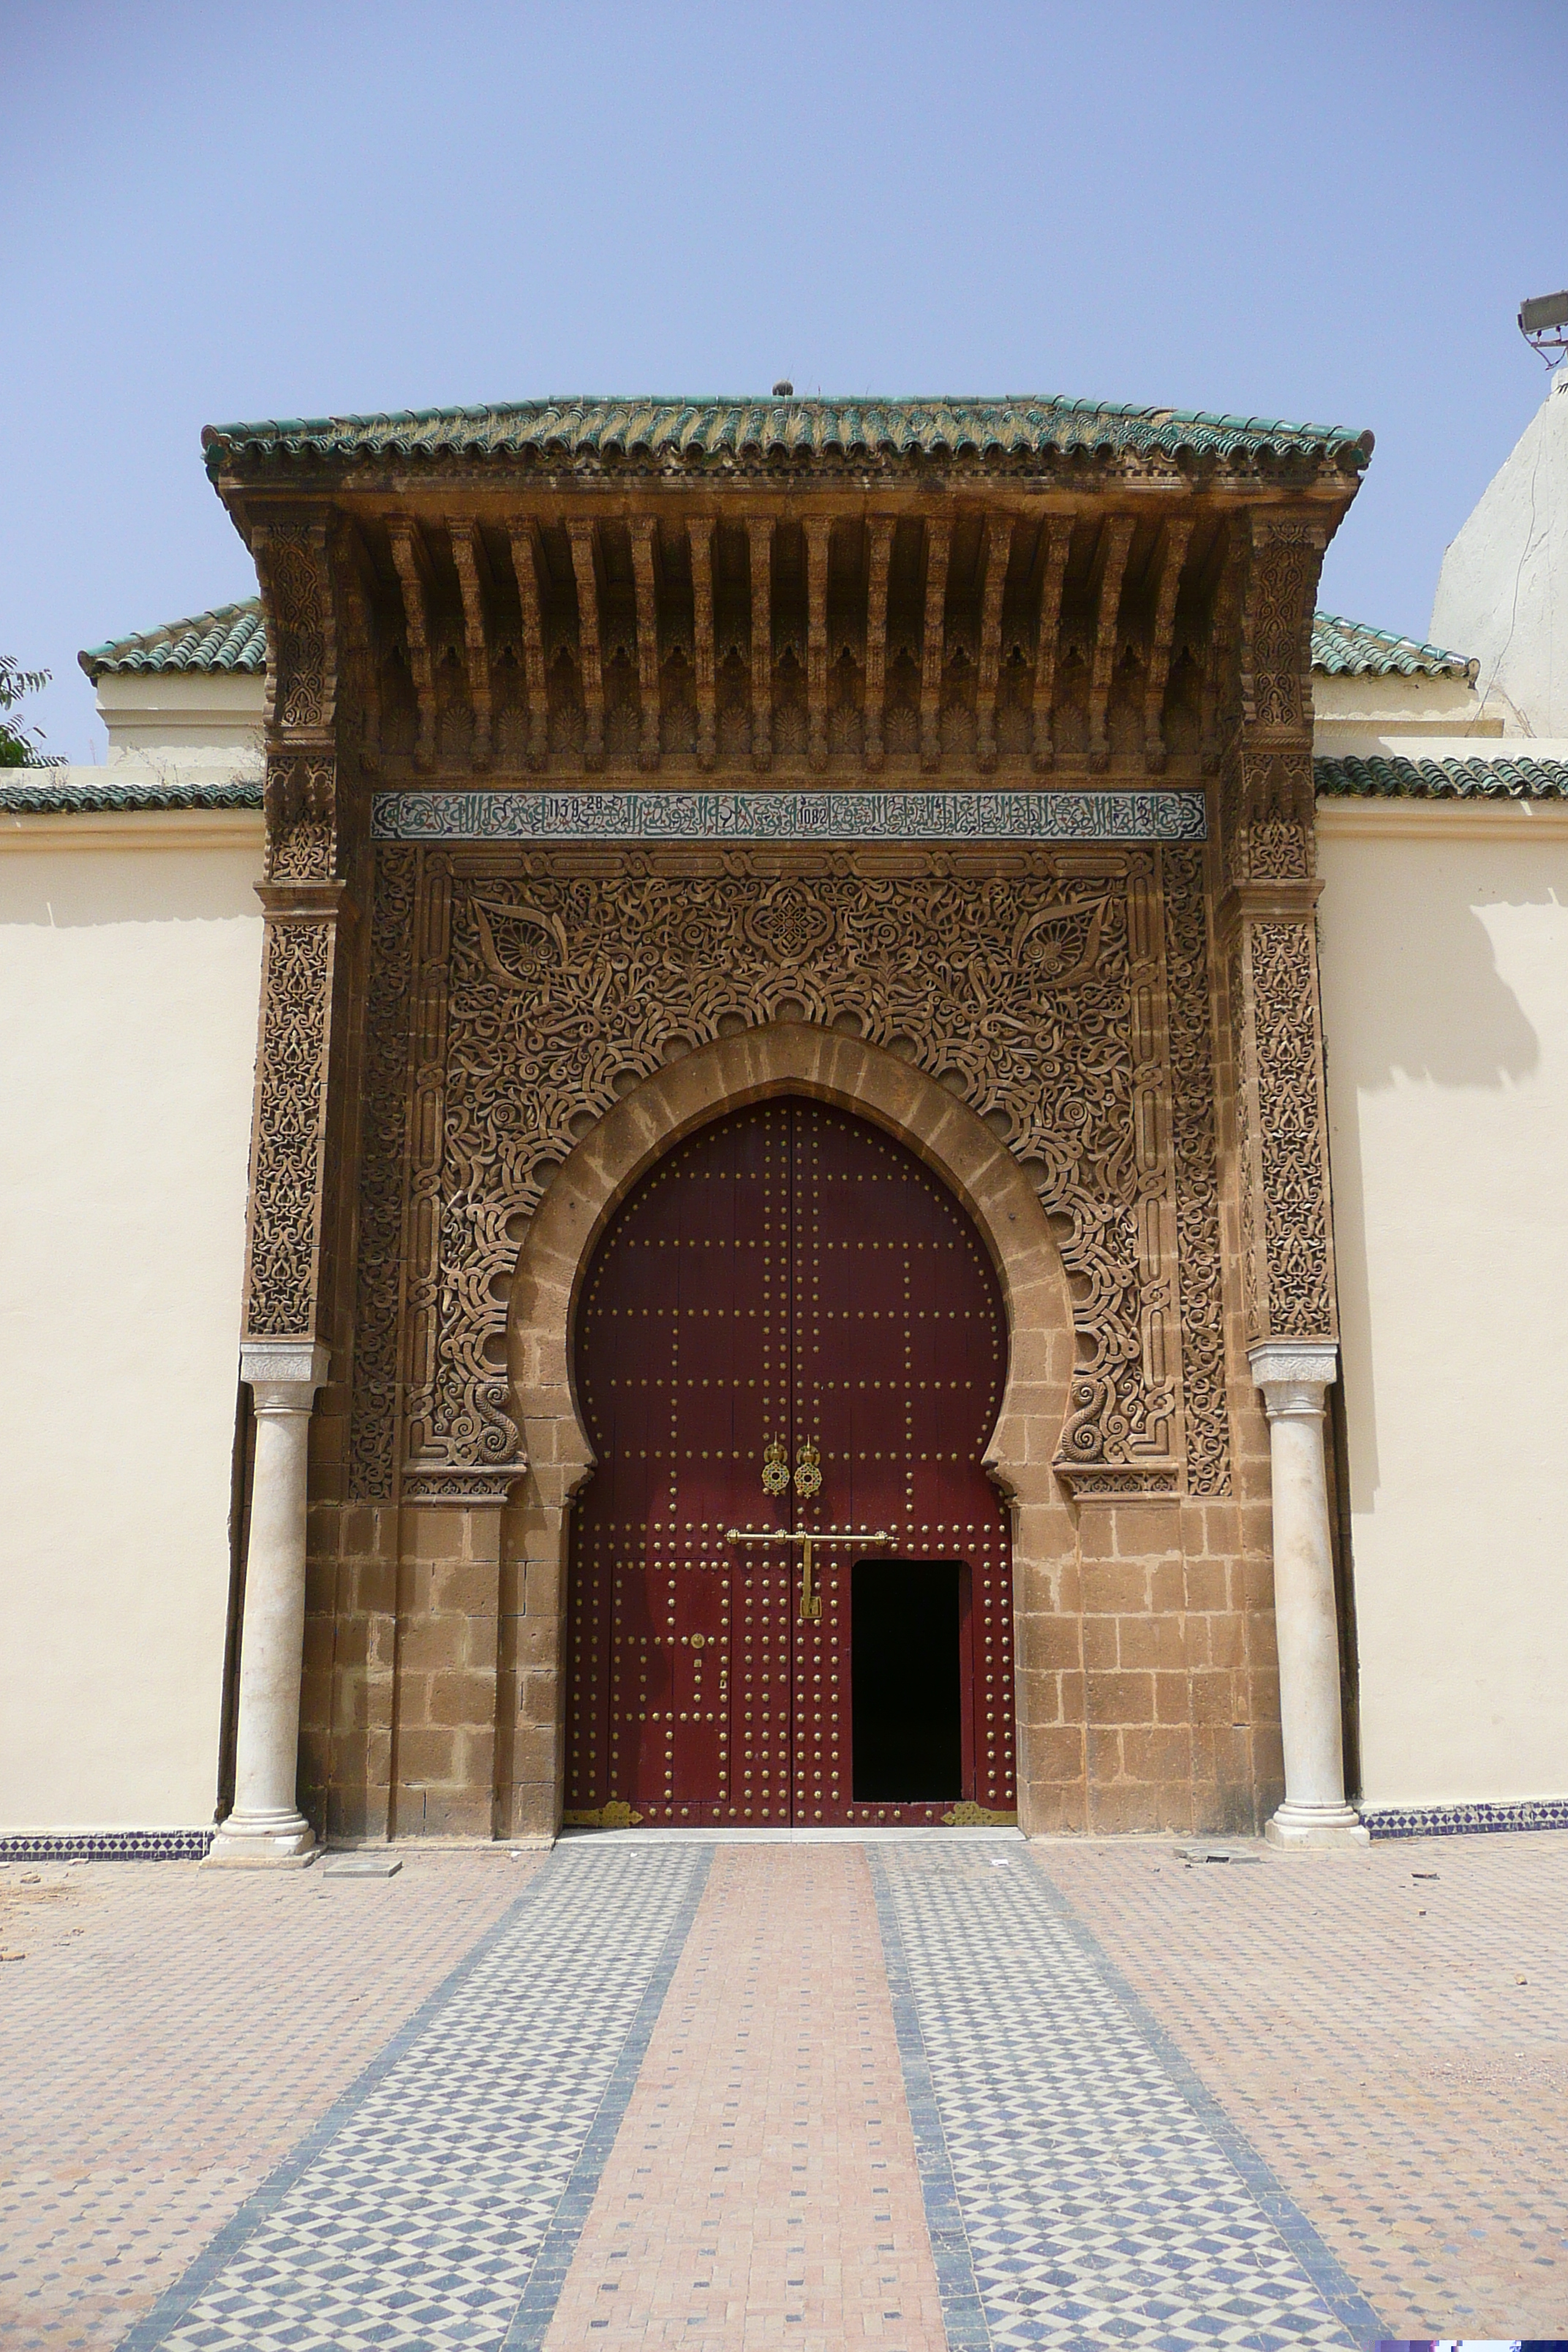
(1059, 543)
(819, 539)
(1111, 568)
(525, 543)
(473, 583)
(699, 537)
(412, 568)
(1173, 543)
(938, 545)
(880, 558)
(585, 569)
(998, 549)
(759, 533)
(643, 529)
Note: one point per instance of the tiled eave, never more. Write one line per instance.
(1385, 777)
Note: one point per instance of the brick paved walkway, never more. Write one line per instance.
(819, 2094)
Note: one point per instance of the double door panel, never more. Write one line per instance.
(789, 1278)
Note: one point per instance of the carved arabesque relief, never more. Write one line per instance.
(373, 1438)
(300, 800)
(1201, 1302)
(1268, 815)
(293, 565)
(545, 984)
(287, 1146)
(1290, 1143)
(1286, 559)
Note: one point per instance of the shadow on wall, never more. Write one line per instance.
(1444, 1011)
(1438, 1014)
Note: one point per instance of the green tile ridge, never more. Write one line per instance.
(1355, 649)
(1510, 777)
(230, 637)
(1024, 425)
(38, 797)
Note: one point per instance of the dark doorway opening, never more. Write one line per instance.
(906, 1684)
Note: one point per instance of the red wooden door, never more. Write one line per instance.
(790, 1274)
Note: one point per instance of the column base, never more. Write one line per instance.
(263, 1841)
(1298, 1825)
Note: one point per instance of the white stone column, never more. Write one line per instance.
(1293, 1378)
(267, 1825)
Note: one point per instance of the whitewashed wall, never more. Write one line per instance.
(1445, 951)
(130, 956)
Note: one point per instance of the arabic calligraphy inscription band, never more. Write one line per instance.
(1108, 816)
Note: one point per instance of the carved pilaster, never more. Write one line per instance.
(301, 893)
(1267, 915)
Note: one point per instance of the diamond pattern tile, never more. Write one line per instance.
(1099, 2207)
(414, 2220)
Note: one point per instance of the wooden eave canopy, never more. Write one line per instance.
(674, 605)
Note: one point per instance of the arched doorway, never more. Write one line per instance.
(791, 1578)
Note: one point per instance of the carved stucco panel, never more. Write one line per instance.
(539, 993)
(287, 1140)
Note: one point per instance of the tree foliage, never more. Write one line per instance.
(19, 744)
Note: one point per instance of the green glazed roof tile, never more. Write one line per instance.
(231, 638)
(1517, 778)
(1353, 649)
(38, 797)
(1024, 426)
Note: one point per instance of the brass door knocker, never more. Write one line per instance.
(808, 1470)
(776, 1467)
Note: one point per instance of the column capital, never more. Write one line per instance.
(1293, 1375)
(283, 1375)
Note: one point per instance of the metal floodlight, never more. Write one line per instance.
(1542, 323)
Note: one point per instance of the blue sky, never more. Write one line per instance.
(1311, 211)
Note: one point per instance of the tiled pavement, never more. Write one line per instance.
(821, 2095)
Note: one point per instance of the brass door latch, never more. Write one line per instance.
(810, 1598)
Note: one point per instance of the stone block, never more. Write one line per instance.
(426, 1756)
(466, 1588)
(1213, 1697)
(1164, 1755)
(430, 1644)
(1207, 1584)
(1150, 1642)
(1145, 1529)
(1115, 1588)
(1101, 1650)
(1171, 1700)
(1168, 1587)
(465, 1699)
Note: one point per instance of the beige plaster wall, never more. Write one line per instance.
(130, 954)
(1444, 963)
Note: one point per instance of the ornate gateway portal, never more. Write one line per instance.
(793, 808)
(792, 1594)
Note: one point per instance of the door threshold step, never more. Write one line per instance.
(875, 1835)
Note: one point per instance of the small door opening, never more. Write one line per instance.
(906, 1684)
